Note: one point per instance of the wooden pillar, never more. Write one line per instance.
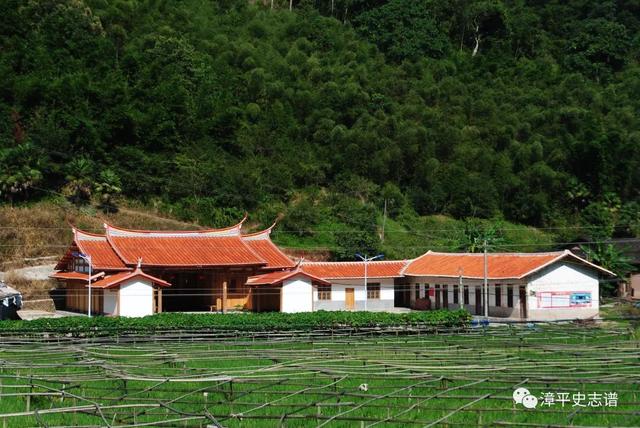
(224, 296)
(215, 297)
(159, 310)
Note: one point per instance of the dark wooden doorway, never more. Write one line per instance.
(402, 296)
(523, 301)
(445, 297)
(478, 294)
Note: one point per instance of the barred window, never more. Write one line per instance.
(324, 292)
(465, 294)
(498, 296)
(510, 296)
(80, 265)
(373, 291)
(455, 293)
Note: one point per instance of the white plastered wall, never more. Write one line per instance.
(136, 298)
(111, 301)
(338, 295)
(562, 277)
(297, 295)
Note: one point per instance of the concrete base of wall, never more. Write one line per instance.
(372, 305)
(563, 314)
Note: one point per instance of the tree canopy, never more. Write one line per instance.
(518, 110)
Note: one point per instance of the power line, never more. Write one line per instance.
(325, 247)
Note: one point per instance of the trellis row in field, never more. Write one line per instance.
(318, 379)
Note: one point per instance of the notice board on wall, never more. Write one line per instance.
(564, 299)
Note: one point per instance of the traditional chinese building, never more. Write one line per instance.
(198, 270)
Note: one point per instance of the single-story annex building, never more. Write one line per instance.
(141, 272)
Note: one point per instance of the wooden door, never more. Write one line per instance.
(478, 301)
(445, 296)
(523, 301)
(350, 300)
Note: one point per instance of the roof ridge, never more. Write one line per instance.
(353, 262)
(158, 233)
(517, 254)
(76, 231)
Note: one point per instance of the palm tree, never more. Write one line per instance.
(475, 234)
(79, 181)
(108, 187)
(611, 258)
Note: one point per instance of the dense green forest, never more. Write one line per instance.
(329, 114)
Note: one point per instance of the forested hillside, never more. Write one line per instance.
(527, 111)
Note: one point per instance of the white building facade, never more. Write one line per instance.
(129, 294)
(541, 286)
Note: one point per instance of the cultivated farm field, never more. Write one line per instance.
(449, 379)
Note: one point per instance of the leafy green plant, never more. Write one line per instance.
(271, 321)
(611, 258)
(108, 187)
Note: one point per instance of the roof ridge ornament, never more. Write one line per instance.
(261, 234)
(121, 232)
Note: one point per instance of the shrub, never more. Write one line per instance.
(270, 321)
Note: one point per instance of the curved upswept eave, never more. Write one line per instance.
(261, 244)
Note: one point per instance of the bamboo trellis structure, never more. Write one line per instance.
(343, 377)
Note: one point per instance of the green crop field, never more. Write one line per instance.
(460, 379)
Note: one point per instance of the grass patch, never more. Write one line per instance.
(42, 229)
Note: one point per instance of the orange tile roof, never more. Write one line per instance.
(120, 277)
(216, 247)
(346, 270)
(102, 254)
(471, 265)
(261, 244)
(275, 278)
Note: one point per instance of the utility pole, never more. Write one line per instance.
(366, 261)
(460, 290)
(87, 259)
(366, 292)
(486, 282)
(384, 219)
(90, 301)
